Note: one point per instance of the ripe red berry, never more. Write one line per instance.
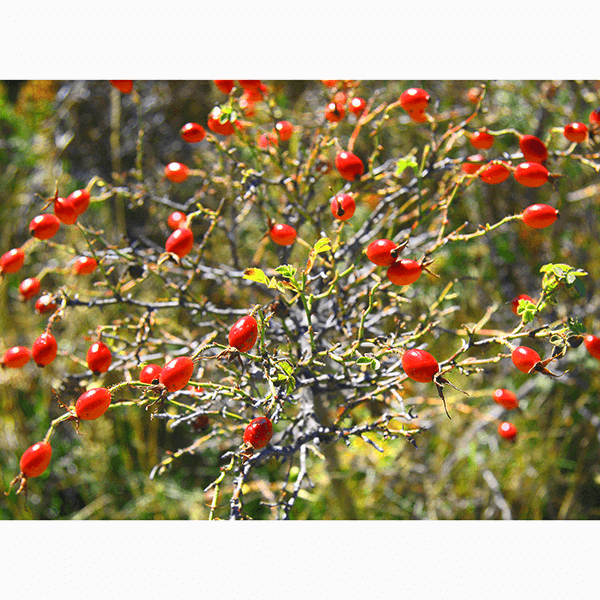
(267, 139)
(85, 265)
(349, 165)
(506, 398)
(176, 172)
(595, 116)
(224, 85)
(330, 83)
(284, 130)
(495, 173)
(533, 149)
(192, 133)
(150, 373)
(45, 304)
(123, 85)
(176, 373)
(259, 432)
(414, 100)
(507, 430)
(283, 234)
(404, 272)
(250, 84)
(35, 459)
(65, 210)
(180, 242)
(45, 226)
(12, 261)
(44, 349)
(16, 357)
(419, 365)
(592, 343)
(29, 287)
(515, 302)
(248, 105)
(482, 140)
(99, 358)
(176, 220)
(334, 112)
(343, 206)
(215, 124)
(381, 252)
(418, 116)
(576, 132)
(244, 333)
(357, 106)
(92, 404)
(531, 174)
(472, 164)
(80, 199)
(525, 358)
(539, 216)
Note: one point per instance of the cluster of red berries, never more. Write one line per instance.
(401, 271)
(93, 403)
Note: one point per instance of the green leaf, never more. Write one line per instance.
(580, 287)
(322, 245)
(403, 163)
(257, 275)
(287, 271)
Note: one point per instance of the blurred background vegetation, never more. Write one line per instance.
(61, 131)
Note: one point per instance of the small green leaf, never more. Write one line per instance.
(580, 287)
(287, 271)
(322, 245)
(257, 275)
(403, 163)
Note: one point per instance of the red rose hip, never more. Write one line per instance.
(525, 358)
(539, 216)
(282, 234)
(244, 333)
(382, 252)
(92, 404)
(12, 261)
(99, 358)
(349, 166)
(404, 272)
(419, 365)
(35, 459)
(180, 242)
(176, 373)
(16, 357)
(343, 207)
(29, 287)
(150, 373)
(531, 174)
(507, 430)
(533, 149)
(45, 226)
(592, 344)
(192, 133)
(414, 100)
(176, 172)
(44, 349)
(505, 398)
(576, 132)
(259, 432)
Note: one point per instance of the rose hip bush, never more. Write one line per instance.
(236, 253)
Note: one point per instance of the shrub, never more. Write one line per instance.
(348, 423)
